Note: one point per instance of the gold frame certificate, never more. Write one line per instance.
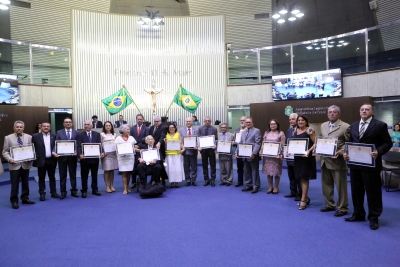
(245, 150)
(66, 147)
(125, 148)
(271, 149)
(207, 141)
(149, 155)
(109, 146)
(325, 146)
(224, 147)
(238, 137)
(190, 141)
(173, 145)
(298, 146)
(23, 153)
(91, 150)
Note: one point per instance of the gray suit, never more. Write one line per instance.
(225, 160)
(18, 171)
(251, 166)
(334, 171)
(189, 157)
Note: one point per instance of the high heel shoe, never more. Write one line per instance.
(269, 191)
(108, 189)
(308, 201)
(275, 192)
(301, 207)
(125, 191)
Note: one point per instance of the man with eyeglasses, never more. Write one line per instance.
(65, 162)
(225, 159)
(208, 154)
(239, 161)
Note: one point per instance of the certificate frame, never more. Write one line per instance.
(238, 137)
(206, 137)
(188, 138)
(321, 139)
(144, 156)
(109, 142)
(273, 155)
(15, 149)
(224, 143)
(295, 140)
(172, 142)
(291, 157)
(91, 144)
(238, 150)
(125, 144)
(359, 146)
(59, 142)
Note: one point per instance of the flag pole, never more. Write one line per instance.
(133, 101)
(180, 86)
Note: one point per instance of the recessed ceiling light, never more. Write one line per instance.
(339, 45)
(299, 15)
(292, 18)
(332, 42)
(345, 44)
(296, 11)
(309, 47)
(3, 7)
(281, 21)
(283, 11)
(341, 41)
(315, 44)
(276, 16)
(317, 48)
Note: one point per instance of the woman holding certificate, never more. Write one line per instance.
(272, 166)
(305, 167)
(173, 158)
(126, 155)
(109, 162)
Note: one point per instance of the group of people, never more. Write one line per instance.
(181, 164)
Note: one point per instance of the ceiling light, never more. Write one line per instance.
(299, 15)
(339, 45)
(345, 44)
(157, 19)
(292, 18)
(3, 7)
(341, 41)
(309, 47)
(315, 44)
(330, 46)
(145, 25)
(140, 21)
(281, 21)
(5, 2)
(296, 11)
(155, 26)
(317, 48)
(332, 42)
(147, 19)
(283, 11)
(276, 16)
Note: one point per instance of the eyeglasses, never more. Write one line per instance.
(249, 122)
(67, 121)
(157, 121)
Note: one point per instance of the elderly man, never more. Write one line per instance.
(153, 167)
(334, 169)
(190, 154)
(367, 180)
(225, 160)
(208, 154)
(239, 161)
(19, 171)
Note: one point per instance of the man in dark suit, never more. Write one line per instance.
(239, 161)
(208, 154)
(139, 131)
(65, 162)
(190, 154)
(366, 180)
(251, 165)
(120, 122)
(44, 144)
(153, 167)
(88, 164)
(96, 123)
(159, 132)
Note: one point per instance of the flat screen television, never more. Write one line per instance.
(316, 84)
(9, 92)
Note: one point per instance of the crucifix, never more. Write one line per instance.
(153, 91)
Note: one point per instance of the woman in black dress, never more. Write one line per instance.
(305, 166)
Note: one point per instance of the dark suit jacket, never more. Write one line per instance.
(158, 134)
(376, 134)
(40, 149)
(118, 124)
(83, 138)
(144, 131)
(146, 146)
(61, 135)
(289, 134)
(99, 124)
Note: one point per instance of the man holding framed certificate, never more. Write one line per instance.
(239, 161)
(150, 162)
(190, 154)
(19, 170)
(333, 167)
(224, 149)
(367, 180)
(208, 152)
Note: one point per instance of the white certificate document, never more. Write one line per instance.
(271, 149)
(125, 148)
(224, 147)
(91, 150)
(109, 146)
(150, 155)
(23, 153)
(285, 151)
(326, 146)
(173, 145)
(245, 150)
(207, 141)
(190, 142)
(360, 154)
(64, 148)
(297, 146)
(238, 136)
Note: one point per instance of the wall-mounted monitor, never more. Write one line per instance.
(316, 84)
(9, 92)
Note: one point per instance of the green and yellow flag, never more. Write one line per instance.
(187, 100)
(118, 101)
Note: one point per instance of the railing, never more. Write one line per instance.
(370, 49)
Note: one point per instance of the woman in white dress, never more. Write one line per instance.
(109, 162)
(173, 158)
(125, 161)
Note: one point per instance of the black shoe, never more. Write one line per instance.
(247, 189)
(133, 186)
(212, 182)
(207, 182)
(326, 209)
(55, 195)
(340, 213)
(84, 195)
(42, 197)
(28, 201)
(96, 193)
(290, 195)
(255, 190)
(222, 183)
(74, 194)
(354, 218)
(374, 224)
(15, 205)
(297, 198)
(238, 184)
(228, 184)
(194, 183)
(187, 184)
(63, 195)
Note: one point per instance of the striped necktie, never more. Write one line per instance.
(362, 129)
(19, 140)
(68, 135)
(90, 137)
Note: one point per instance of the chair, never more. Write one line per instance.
(392, 165)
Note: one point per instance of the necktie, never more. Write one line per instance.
(362, 129)
(248, 131)
(90, 138)
(68, 135)
(190, 133)
(138, 130)
(19, 140)
(206, 130)
(223, 137)
(331, 127)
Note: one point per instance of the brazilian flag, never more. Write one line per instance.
(118, 101)
(187, 100)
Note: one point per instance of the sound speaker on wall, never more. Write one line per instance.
(373, 5)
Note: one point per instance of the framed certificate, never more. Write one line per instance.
(173, 145)
(190, 142)
(238, 136)
(109, 146)
(360, 154)
(285, 151)
(325, 146)
(298, 146)
(224, 147)
(150, 154)
(125, 148)
(271, 149)
(91, 150)
(207, 141)
(244, 150)
(23, 153)
(65, 147)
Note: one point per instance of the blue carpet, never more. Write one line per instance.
(192, 226)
